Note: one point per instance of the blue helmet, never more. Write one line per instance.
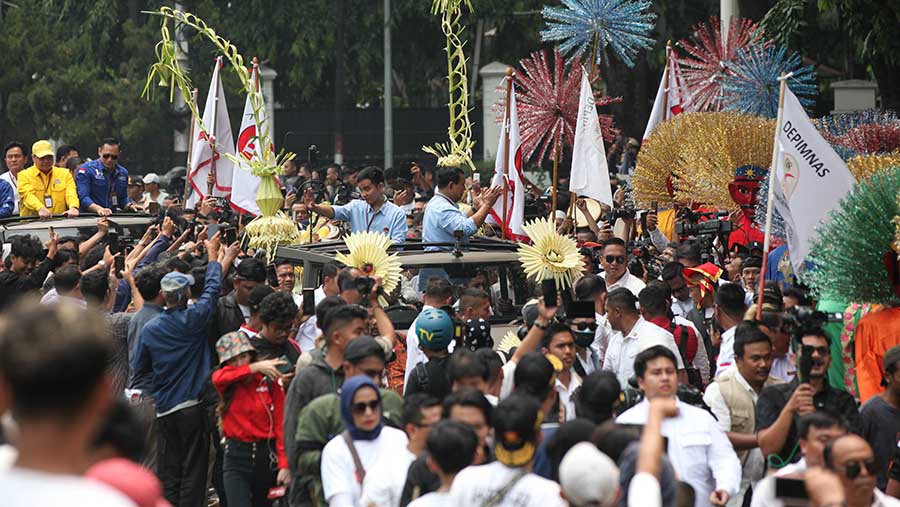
(435, 329)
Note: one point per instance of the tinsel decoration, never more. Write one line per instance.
(709, 58)
(368, 253)
(590, 26)
(835, 126)
(550, 256)
(700, 152)
(547, 102)
(873, 138)
(652, 179)
(848, 252)
(457, 152)
(752, 84)
(862, 167)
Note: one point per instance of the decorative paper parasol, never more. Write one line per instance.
(583, 25)
(368, 253)
(710, 58)
(551, 255)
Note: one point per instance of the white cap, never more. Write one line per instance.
(151, 178)
(560, 214)
(587, 475)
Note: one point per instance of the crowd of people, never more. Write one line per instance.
(194, 377)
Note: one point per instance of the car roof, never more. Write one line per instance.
(84, 220)
(479, 250)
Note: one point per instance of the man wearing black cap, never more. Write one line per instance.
(321, 419)
(509, 481)
(233, 310)
(750, 271)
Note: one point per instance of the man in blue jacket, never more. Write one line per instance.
(174, 346)
(7, 199)
(103, 183)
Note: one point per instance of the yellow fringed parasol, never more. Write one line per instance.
(368, 253)
(551, 255)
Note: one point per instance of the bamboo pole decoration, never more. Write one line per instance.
(666, 81)
(771, 197)
(506, 127)
(556, 150)
(190, 151)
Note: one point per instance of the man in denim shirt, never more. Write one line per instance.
(372, 213)
(103, 183)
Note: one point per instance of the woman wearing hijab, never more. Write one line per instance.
(347, 456)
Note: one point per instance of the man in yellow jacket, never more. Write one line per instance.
(46, 190)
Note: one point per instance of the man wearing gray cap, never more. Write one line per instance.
(174, 347)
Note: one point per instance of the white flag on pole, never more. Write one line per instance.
(515, 197)
(215, 118)
(590, 173)
(244, 184)
(672, 92)
(811, 179)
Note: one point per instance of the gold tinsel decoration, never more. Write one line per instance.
(551, 255)
(701, 152)
(368, 253)
(864, 166)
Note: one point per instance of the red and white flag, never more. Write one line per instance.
(203, 158)
(244, 184)
(515, 189)
(672, 92)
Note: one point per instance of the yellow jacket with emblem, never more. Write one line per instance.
(35, 185)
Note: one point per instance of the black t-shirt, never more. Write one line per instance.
(880, 426)
(773, 399)
(430, 377)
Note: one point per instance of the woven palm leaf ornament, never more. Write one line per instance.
(550, 254)
(368, 253)
(457, 152)
(272, 228)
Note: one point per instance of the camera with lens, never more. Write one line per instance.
(364, 285)
(593, 254)
(625, 213)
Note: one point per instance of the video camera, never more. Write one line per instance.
(705, 228)
(625, 213)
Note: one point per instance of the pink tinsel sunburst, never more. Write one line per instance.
(547, 101)
(873, 138)
(705, 68)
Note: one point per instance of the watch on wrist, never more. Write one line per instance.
(541, 325)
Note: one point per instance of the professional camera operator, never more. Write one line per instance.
(780, 405)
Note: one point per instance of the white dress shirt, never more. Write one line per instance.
(700, 452)
(414, 354)
(628, 281)
(565, 394)
(622, 350)
(682, 308)
(726, 351)
(755, 466)
(701, 360)
(309, 330)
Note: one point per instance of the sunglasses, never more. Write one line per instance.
(360, 408)
(581, 326)
(619, 259)
(107, 156)
(809, 349)
(852, 469)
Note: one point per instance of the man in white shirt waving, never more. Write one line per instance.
(633, 334)
(699, 450)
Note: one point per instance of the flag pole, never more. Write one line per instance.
(506, 127)
(556, 149)
(771, 197)
(211, 138)
(187, 172)
(665, 115)
(594, 53)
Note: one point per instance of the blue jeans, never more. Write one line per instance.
(249, 472)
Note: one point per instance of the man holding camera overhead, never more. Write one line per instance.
(779, 406)
(371, 213)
